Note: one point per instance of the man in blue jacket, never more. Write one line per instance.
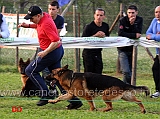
(4, 31)
(153, 33)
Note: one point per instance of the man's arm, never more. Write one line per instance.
(122, 32)
(60, 24)
(137, 26)
(51, 47)
(25, 25)
(149, 33)
(87, 31)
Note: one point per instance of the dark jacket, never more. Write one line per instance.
(129, 31)
(91, 29)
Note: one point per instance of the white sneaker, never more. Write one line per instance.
(155, 95)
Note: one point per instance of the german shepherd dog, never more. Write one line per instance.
(89, 85)
(28, 87)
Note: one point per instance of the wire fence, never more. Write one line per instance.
(84, 16)
(109, 55)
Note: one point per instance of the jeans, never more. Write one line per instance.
(125, 59)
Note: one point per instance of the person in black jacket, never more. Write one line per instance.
(92, 58)
(130, 26)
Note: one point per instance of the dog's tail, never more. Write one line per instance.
(140, 89)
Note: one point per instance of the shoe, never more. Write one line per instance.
(73, 106)
(155, 95)
(43, 101)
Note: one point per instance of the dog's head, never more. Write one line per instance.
(22, 65)
(59, 73)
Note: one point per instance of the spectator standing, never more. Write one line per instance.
(4, 31)
(130, 26)
(92, 58)
(153, 33)
(53, 9)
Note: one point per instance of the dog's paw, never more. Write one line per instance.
(104, 109)
(92, 109)
(52, 101)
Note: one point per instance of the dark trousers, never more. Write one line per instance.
(156, 73)
(46, 71)
(52, 60)
(92, 62)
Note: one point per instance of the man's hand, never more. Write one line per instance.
(158, 32)
(100, 34)
(138, 35)
(132, 20)
(23, 25)
(42, 54)
(148, 37)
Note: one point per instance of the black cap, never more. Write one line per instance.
(33, 10)
(132, 7)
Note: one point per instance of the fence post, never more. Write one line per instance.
(120, 14)
(17, 56)
(3, 9)
(134, 65)
(77, 50)
(17, 23)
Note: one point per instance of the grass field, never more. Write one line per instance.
(11, 86)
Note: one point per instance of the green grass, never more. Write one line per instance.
(11, 86)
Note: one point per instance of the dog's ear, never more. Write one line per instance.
(28, 61)
(20, 60)
(54, 71)
(65, 67)
(49, 77)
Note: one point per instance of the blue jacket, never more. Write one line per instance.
(152, 30)
(4, 31)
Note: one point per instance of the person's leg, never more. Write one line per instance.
(156, 76)
(98, 64)
(56, 63)
(74, 102)
(32, 71)
(125, 67)
(40, 64)
(155, 71)
(45, 72)
(88, 61)
(129, 55)
(53, 92)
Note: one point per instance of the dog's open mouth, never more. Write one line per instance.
(50, 79)
(52, 83)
